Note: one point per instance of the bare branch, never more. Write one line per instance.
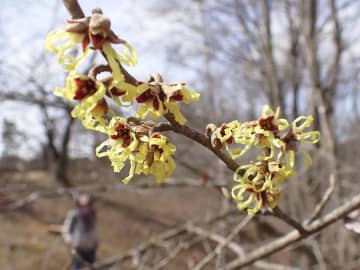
(277, 212)
(271, 72)
(74, 8)
(171, 233)
(201, 139)
(224, 244)
(337, 38)
(295, 236)
(321, 205)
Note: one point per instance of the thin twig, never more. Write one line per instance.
(171, 233)
(277, 212)
(321, 205)
(177, 250)
(294, 236)
(224, 244)
(201, 139)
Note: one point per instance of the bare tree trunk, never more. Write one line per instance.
(56, 158)
(61, 168)
(293, 54)
(276, 95)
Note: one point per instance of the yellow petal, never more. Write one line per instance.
(67, 41)
(128, 56)
(189, 95)
(110, 54)
(175, 110)
(310, 137)
(302, 122)
(267, 111)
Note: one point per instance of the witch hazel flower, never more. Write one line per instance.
(259, 185)
(92, 106)
(158, 98)
(296, 136)
(160, 162)
(262, 134)
(147, 154)
(93, 32)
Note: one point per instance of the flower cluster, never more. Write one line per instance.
(136, 143)
(147, 152)
(259, 183)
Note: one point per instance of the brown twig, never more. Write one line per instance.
(94, 71)
(277, 212)
(224, 244)
(201, 139)
(74, 9)
(321, 205)
(171, 233)
(174, 252)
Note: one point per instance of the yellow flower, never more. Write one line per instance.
(270, 120)
(259, 186)
(298, 126)
(128, 57)
(225, 133)
(60, 42)
(93, 32)
(146, 155)
(119, 153)
(121, 93)
(158, 98)
(262, 133)
(266, 131)
(259, 183)
(119, 129)
(297, 135)
(92, 107)
(159, 159)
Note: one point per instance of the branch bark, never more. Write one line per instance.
(74, 8)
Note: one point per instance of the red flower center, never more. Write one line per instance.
(84, 88)
(97, 40)
(144, 96)
(122, 132)
(85, 42)
(149, 95)
(177, 96)
(268, 124)
(222, 132)
(115, 92)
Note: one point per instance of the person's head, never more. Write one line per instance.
(85, 200)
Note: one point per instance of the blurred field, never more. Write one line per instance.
(125, 218)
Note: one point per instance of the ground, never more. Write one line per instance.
(126, 217)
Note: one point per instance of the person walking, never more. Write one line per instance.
(80, 232)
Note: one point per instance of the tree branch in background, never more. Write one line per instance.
(295, 236)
